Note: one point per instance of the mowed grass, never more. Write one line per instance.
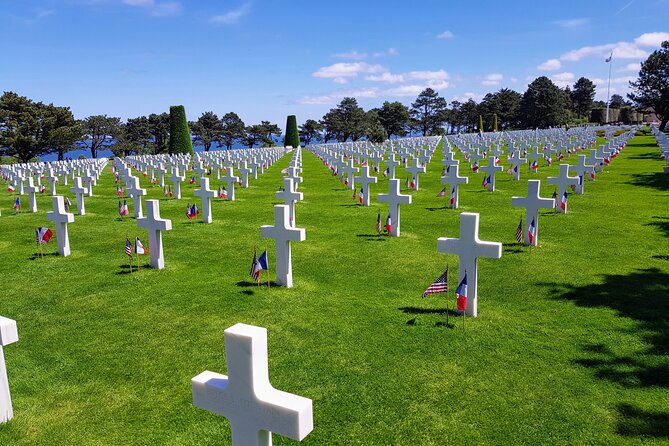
(570, 346)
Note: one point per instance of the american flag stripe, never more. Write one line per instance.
(519, 232)
(438, 286)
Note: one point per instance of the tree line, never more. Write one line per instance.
(29, 129)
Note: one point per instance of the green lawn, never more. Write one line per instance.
(570, 346)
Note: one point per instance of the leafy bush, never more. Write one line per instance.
(292, 137)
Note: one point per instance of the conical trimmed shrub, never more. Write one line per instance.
(180, 141)
(292, 137)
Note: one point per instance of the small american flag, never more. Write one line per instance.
(378, 223)
(438, 286)
(128, 248)
(519, 231)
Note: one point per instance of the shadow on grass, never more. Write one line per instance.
(662, 224)
(661, 257)
(421, 310)
(647, 156)
(373, 237)
(636, 422)
(513, 248)
(657, 180)
(642, 295)
(37, 256)
(441, 208)
(349, 205)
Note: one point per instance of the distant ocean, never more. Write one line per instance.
(75, 154)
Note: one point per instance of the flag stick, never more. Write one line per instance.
(137, 262)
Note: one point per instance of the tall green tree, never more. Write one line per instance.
(133, 137)
(159, 127)
(428, 111)
(269, 130)
(253, 135)
(544, 104)
(310, 130)
(206, 129)
(29, 129)
(617, 101)
(374, 129)
(65, 130)
(347, 120)
(233, 129)
(180, 139)
(651, 89)
(582, 97)
(99, 131)
(394, 117)
(292, 137)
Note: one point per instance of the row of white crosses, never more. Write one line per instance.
(284, 230)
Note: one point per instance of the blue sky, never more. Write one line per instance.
(267, 59)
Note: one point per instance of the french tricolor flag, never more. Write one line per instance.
(461, 293)
(563, 202)
(531, 232)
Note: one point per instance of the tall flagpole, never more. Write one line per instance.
(608, 90)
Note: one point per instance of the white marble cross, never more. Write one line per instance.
(394, 198)
(349, 170)
(155, 225)
(53, 181)
(206, 194)
(516, 161)
(534, 155)
(415, 170)
(244, 171)
(160, 171)
(246, 398)
(490, 170)
(32, 194)
(454, 180)
(61, 219)
(80, 192)
(177, 180)
(136, 193)
(231, 179)
(532, 203)
(469, 248)
(365, 180)
(89, 180)
(581, 169)
(283, 232)
(595, 160)
(563, 181)
(290, 196)
(392, 163)
(8, 335)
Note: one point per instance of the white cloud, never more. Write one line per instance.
(231, 17)
(514, 79)
(428, 75)
(156, 9)
(563, 79)
(386, 77)
(445, 35)
(634, 67)
(351, 55)
(492, 79)
(550, 65)
(651, 39)
(467, 96)
(572, 23)
(389, 52)
(344, 70)
(621, 50)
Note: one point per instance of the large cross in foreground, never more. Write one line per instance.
(8, 335)
(246, 398)
(469, 248)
